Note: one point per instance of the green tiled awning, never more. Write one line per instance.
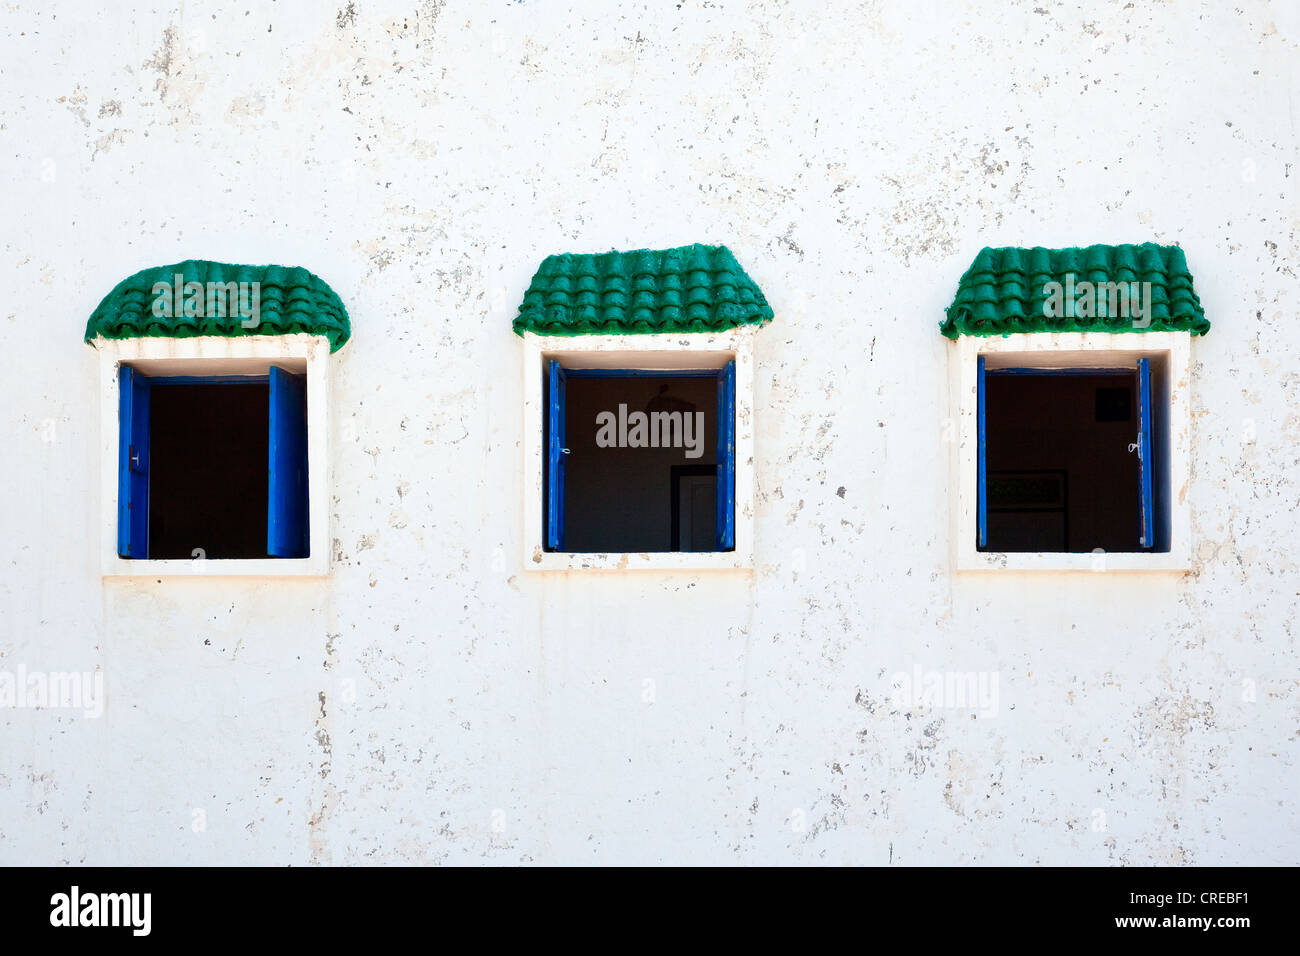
(688, 289)
(1010, 290)
(289, 300)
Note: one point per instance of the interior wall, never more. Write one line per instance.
(1048, 422)
(208, 471)
(620, 499)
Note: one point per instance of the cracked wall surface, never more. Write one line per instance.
(430, 701)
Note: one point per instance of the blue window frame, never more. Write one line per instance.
(558, 453)
(982, 511)
(133, 464)
(1148, 492)
(286, 510)
(725, 509)
(286, 513)
(1145, 462)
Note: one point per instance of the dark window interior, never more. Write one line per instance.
(208, 471)
(639, 499)
(1060, 476)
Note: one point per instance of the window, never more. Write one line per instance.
(621, 349)
(213, 467)
(1072, 452)
(640, 460)
(1070, 395)
(639, 452)
(214, 456)
(1066, 460)
(213, 419)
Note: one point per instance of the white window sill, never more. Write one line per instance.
(638, 561)
(1092, 563)
(212, 567)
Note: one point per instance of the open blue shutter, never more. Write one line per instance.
(555, 454)
(726, 483)
(133, 464)
(1146, 513)
(981, 473)
(286, 516)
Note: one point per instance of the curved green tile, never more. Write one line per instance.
(291, 300)
(1003, 290)
(688, 289)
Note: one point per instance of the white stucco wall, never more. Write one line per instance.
(423, 158)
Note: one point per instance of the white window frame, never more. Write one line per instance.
(218, 355)
(1071, 350)
(671, 351)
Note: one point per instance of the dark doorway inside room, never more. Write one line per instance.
(1060, 475)
(642, 499)
(208, 478)
(694, 492)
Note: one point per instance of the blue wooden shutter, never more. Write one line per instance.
(555, 455)
(726, 484)
(133, 464)
(286, 517)
(1146, 514)
(981, 467)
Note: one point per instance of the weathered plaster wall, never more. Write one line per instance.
(423, 158)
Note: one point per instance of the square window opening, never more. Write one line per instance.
(203, 494)
(212, 467)
(1073, 460)
(639, 460)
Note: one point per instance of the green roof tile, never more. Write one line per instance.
(291, 300)
(1004, 290)
(688, 289)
